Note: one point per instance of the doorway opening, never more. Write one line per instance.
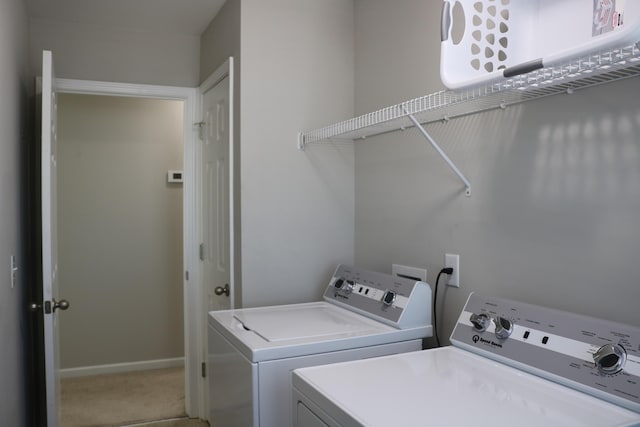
(191, 288)
(120, 258)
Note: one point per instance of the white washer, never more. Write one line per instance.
(253, 351)
(511, 364)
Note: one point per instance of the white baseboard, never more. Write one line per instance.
(121, 367)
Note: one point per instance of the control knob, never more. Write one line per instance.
(504, 327)
(344, 286)
(388, 298)
(610, 358)
(480, 321)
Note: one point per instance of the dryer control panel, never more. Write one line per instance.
(396, 301)
(595, 356)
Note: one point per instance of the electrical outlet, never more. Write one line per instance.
(453, 261)
(409, 272)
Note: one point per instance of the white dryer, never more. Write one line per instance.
(253, 351)
(510, 364)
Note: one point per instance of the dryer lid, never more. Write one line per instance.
(449, 387)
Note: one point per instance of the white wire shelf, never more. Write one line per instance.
(589, 70)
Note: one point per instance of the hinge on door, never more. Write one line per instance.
(201, 251)
(204, 370)
(200, 126)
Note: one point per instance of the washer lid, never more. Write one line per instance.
(449, 387)
(294, 322)
(269, 333)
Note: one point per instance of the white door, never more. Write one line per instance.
(215, 249)
(50, 240)
(215, 205)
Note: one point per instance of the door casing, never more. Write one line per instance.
(193, 316)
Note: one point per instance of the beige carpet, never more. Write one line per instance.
(122, 399)
(178, 422)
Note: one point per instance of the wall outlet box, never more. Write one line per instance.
(413, 273)
(453, 261)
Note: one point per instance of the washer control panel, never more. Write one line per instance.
(396, 301)
(598, 357)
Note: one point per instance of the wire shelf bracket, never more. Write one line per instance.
(442, 154)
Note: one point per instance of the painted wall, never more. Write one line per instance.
(553, 215)
(120, 229)
(15, 88)
(219, 41)
(297, 206)
(88, 52)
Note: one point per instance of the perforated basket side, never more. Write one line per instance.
(483, 38)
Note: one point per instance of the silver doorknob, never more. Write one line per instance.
(219, 290)
(50, 306)
(63, 304)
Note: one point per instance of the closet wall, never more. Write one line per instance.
(552, 218)
(15, 142)
(88, 52)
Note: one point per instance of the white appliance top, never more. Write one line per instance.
(449, 387)
(361, 308)
(511, 363)
(305, 322)
(269, 333)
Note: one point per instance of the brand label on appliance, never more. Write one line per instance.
(607, 16)
(478, 339)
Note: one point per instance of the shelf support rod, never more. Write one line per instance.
(442, 154)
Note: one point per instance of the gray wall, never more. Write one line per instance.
(553, 215)
(120, 229)
(297, 207)
(13, 139)
(88, 52)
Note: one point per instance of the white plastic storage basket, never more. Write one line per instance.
(483, 40)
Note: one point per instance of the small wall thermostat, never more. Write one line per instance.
(174, 177)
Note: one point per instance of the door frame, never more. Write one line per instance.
(226, 69)
(193, 316)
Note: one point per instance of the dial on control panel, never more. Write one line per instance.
(388, 298)
(344, 286)
(480, 321)
(610, 358)
(504, 327)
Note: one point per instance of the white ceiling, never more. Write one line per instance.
(167, 16)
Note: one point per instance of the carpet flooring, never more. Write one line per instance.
(176, 422)
(122, 399)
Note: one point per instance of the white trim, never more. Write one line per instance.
(164, 423)
(224, 70)
(193, 318)
(90, 87)
(117, 368)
